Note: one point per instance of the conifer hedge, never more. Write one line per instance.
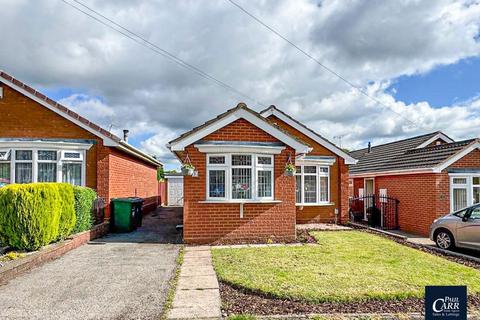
(36, 214)
(84, 198)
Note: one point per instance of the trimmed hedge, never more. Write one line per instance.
(36, 214)
(84, 198)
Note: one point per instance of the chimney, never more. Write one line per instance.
(369, 147)
(125, 135)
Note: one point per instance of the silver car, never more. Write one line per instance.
(459, 229)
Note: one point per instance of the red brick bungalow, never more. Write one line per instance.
(431, 175)
(43, 141)
(240, 191)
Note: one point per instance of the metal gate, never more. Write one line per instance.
(376, 211)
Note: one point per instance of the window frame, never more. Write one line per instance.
(318, 174)
(35, 161)
(227, 167)
(468, 186)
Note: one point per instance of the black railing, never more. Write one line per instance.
(376, 211)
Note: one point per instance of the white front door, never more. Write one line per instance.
(175, 192)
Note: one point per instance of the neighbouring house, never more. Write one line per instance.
(431, 175)
(43, 141)
(240, 191)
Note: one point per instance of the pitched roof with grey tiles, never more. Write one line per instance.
(405, 155)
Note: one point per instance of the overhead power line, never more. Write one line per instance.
(330, 70)
(99, 17)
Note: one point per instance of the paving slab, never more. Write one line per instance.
(193, 271)
(197, 294)
(198, 282)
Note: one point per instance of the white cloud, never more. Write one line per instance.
(370, 42)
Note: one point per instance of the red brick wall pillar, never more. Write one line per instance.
(343, 178)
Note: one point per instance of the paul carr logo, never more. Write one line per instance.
(446, 302)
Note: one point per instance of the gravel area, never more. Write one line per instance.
(121, 276)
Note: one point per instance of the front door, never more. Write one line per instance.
(468, 232)
(369, 189)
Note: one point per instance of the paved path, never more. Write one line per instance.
(197, 295)
(121, 276)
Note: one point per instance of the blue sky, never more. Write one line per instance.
(443, 86)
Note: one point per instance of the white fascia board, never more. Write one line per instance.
(45, 144)
(434, 138)
(315, 162)
(173, 177)
(311, 135)
(240, 114)
(215, 148)
(326, 161)
(106, 140)
(391, 173)
(473, 146)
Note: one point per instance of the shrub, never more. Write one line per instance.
(29, 215)
(84, 198)
(67, 205)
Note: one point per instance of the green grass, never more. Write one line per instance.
(173, 285)
(345, 266)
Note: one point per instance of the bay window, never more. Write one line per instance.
(27, 165)
(312, 184)
(464, 190)
(240, 177)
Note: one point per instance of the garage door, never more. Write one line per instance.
(175, 191)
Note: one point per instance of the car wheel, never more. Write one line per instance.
(444, 240)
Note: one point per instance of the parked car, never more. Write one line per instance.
(459, 229)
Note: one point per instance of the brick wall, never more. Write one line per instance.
(129, 177)
(423, 197)
(208, 222)
(107, 170)
(25, 118)
(338, 182)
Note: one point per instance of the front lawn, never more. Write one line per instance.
(346, 266)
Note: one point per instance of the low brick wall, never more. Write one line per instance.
(50, 252)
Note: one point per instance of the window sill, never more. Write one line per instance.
(240, 201)
(314, 204)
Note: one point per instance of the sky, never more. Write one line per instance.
(420, 59)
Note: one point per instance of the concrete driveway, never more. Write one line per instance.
(120, 276)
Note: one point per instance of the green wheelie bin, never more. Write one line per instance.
(127, 214)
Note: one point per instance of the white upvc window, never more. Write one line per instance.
(240, 177)
(5, 167)
(464, 190)
(42, 164)
(312, 184)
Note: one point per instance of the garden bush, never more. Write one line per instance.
(67, 205)
(30, 214)
(84, 198)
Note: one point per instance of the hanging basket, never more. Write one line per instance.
(188, 171)
(188, 168)
(290, 168)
